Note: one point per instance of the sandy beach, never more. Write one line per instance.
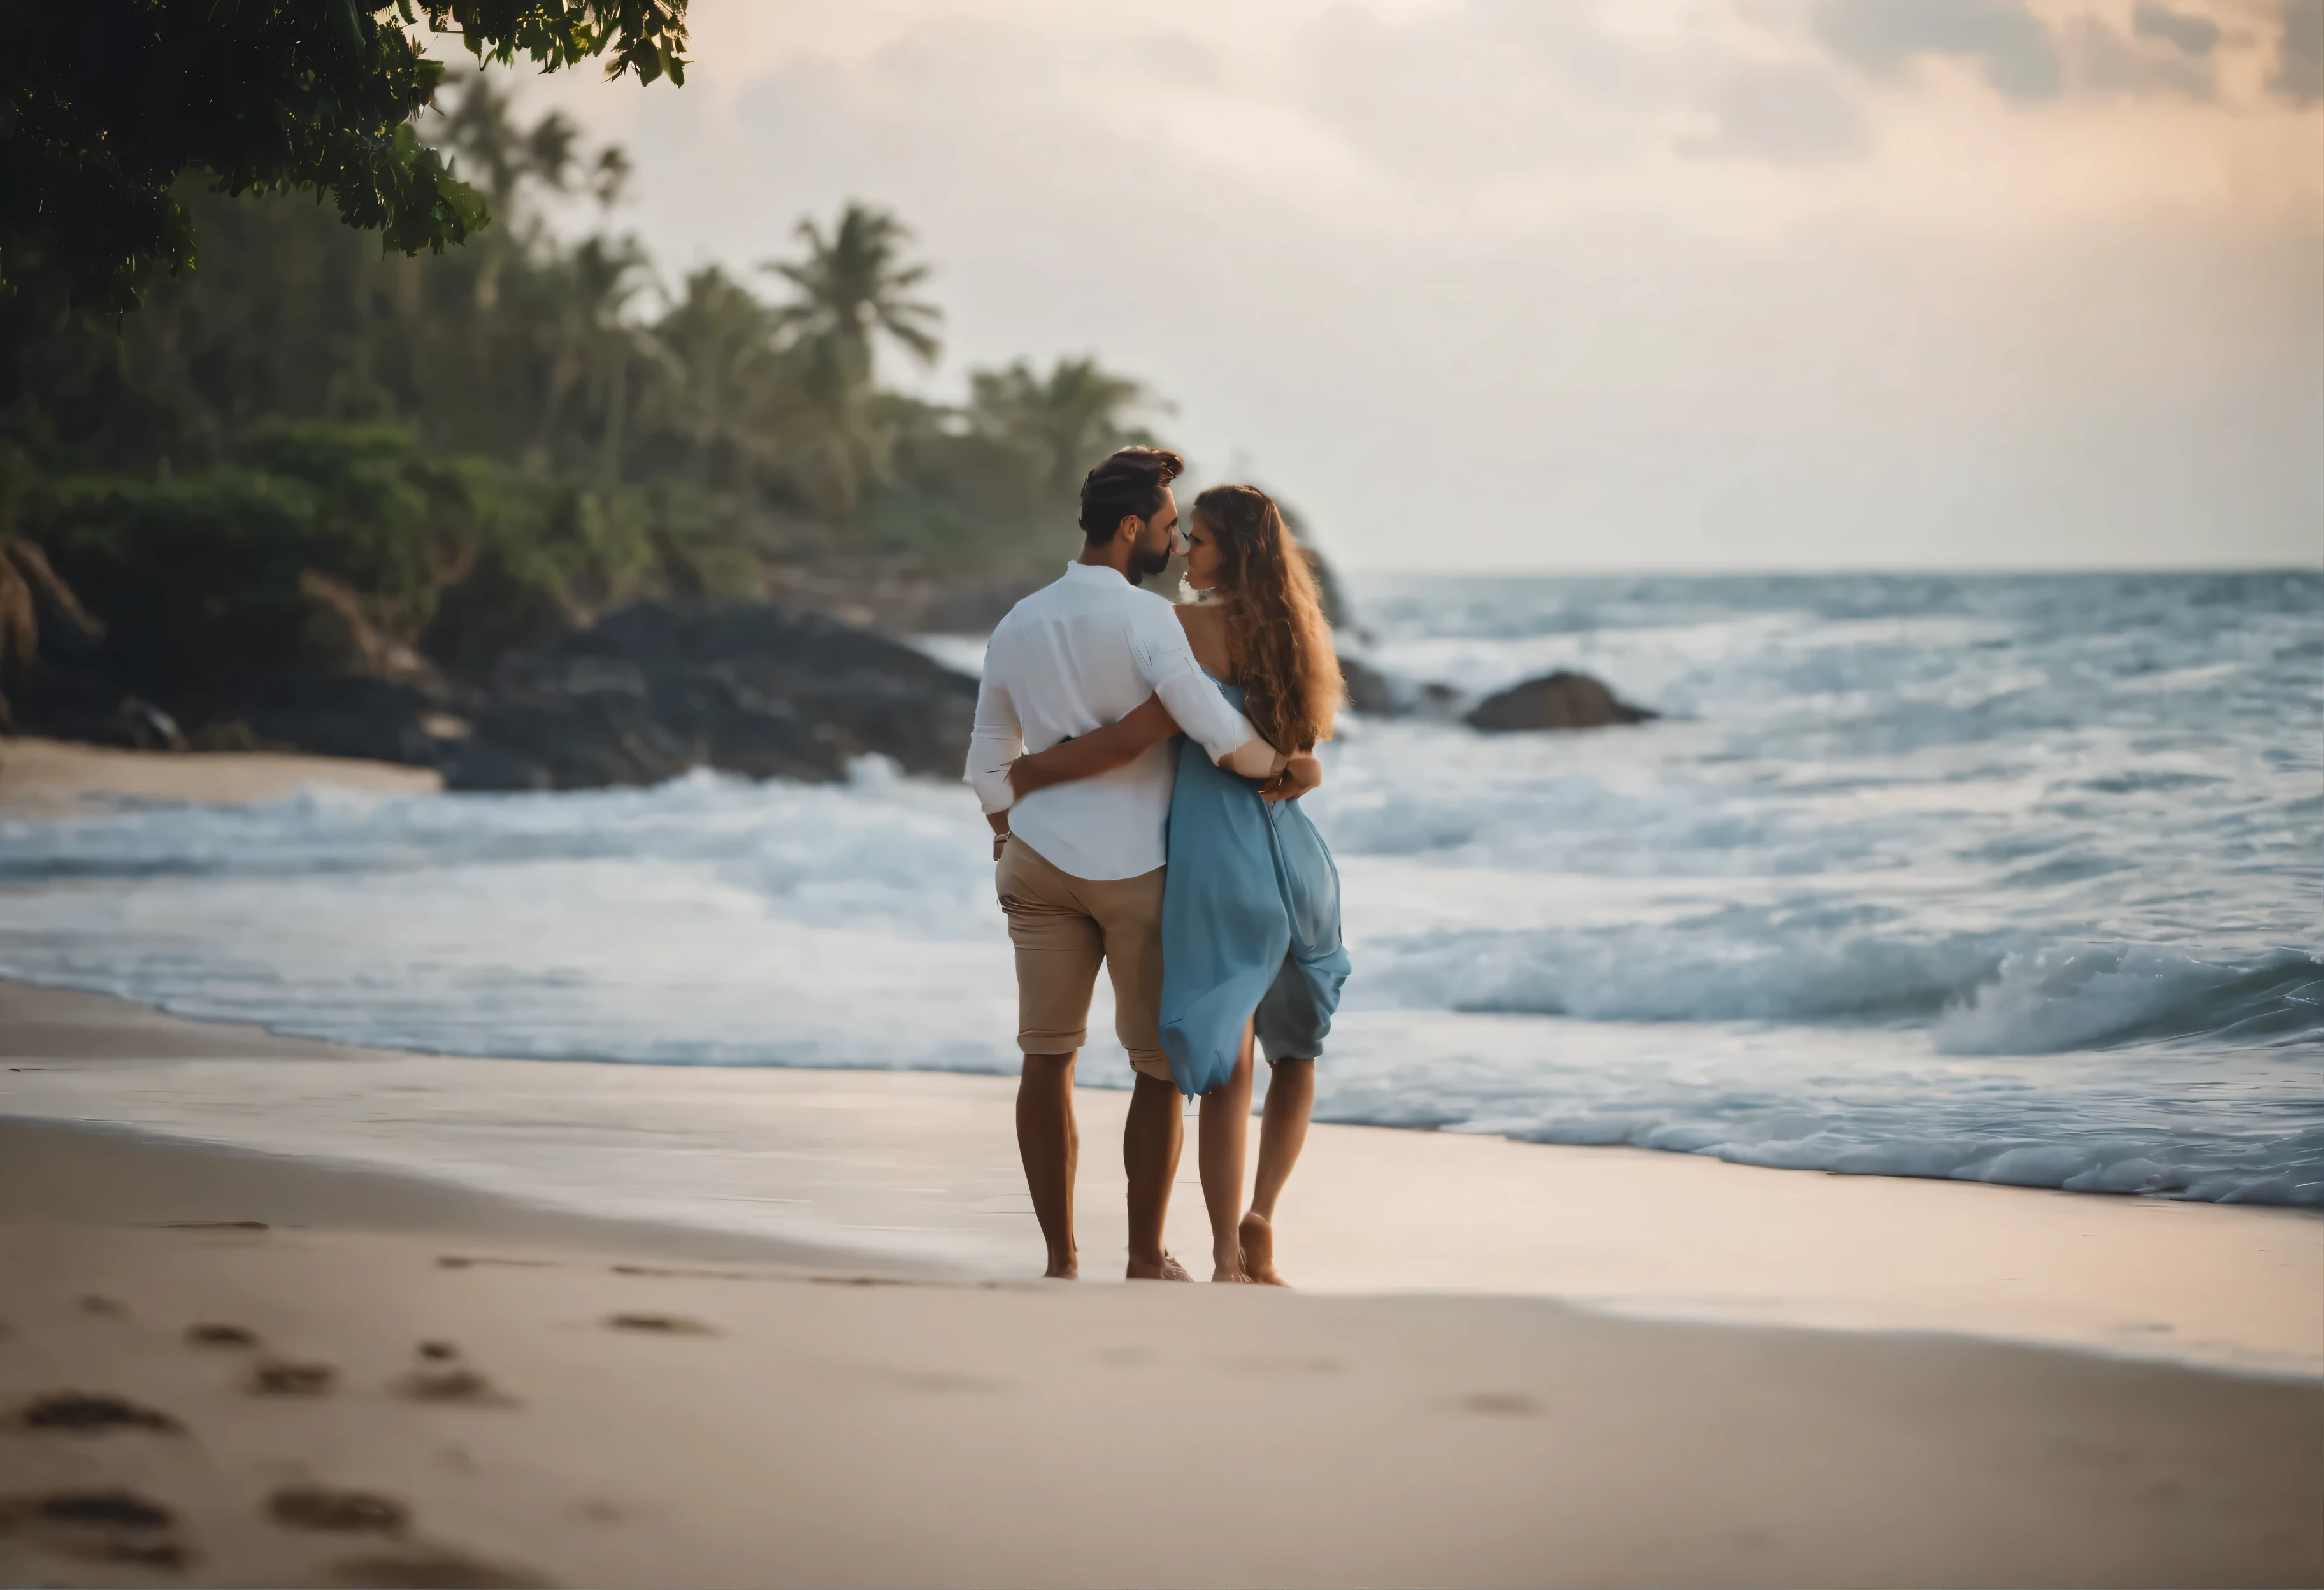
(229, 1366)
(52, 778)
(281, 1311)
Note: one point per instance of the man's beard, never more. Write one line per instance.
(1142, 564)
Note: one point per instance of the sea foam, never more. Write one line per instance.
(2012, 880)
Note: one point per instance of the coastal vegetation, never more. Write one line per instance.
(312, 452)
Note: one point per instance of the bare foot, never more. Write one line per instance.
(1169, 1269)
(1259, 1250)
(1063, 1270)
(1230, 1269)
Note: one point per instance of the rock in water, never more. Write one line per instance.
(1368, 690)
(1556, 701)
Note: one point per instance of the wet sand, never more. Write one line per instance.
(915, 1174)
(401, 1379)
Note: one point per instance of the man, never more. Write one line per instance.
(1080, 864)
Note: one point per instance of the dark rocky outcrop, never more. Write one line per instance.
(1379, 694)
(382, 720)
(54, 678)
(1555, 701)
(763, 689)
(648, 692)
(1368, 690)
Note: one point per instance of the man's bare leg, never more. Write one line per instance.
(1150, 1141)
(1049, 1144)
(1282, 1133)
(1226, 1127)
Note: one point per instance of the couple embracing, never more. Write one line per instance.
(1115, 733)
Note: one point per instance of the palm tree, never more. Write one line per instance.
(834, 440)
(851, 287)
(719, 366)
(1064, 421)
(589, 338)
(481, 128)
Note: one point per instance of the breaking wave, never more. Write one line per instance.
(2013, 881)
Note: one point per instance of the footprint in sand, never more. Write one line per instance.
(281, 1377)
(96, 1526)
(220, 1336)
(83, 1412)
(432, 1568)
(1503, 1404)
(103, 1308)
(438, 1351)
(319, 1507)
(660, 1324)
(455, 1386)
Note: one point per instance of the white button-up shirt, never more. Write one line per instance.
(1075, 657)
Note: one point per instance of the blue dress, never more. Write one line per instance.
(1251, 922)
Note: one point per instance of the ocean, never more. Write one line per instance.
(2014, 879)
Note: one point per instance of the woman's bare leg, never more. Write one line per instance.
(1282, 1133)
(1226, 1124)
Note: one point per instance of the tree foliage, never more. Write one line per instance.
(1064, 420)
(106, 104)
(481, 448)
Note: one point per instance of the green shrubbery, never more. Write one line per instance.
(209, 581)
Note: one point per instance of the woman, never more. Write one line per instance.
(1251, 909)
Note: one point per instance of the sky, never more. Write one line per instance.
(1548, 285)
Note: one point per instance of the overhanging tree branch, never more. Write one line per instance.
(104, 103)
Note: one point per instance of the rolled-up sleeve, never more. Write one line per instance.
(993, 744)
(1163, 656)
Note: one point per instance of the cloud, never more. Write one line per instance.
(1445, 273)
(1488, 90)
(1784, 113)
(2193, 35)
(2107, 64)
(2018, 54)
(2300, 58)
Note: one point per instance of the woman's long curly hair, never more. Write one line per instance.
(1278, 642)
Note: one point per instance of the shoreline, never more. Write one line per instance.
(49, 779)
(903, 1174)
(95, 1175)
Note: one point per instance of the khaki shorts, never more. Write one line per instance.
(1063, 926)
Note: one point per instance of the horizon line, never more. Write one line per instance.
(1984, 571)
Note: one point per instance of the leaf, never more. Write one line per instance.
(468, 210)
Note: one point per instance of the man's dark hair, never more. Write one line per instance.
(1129, 482)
